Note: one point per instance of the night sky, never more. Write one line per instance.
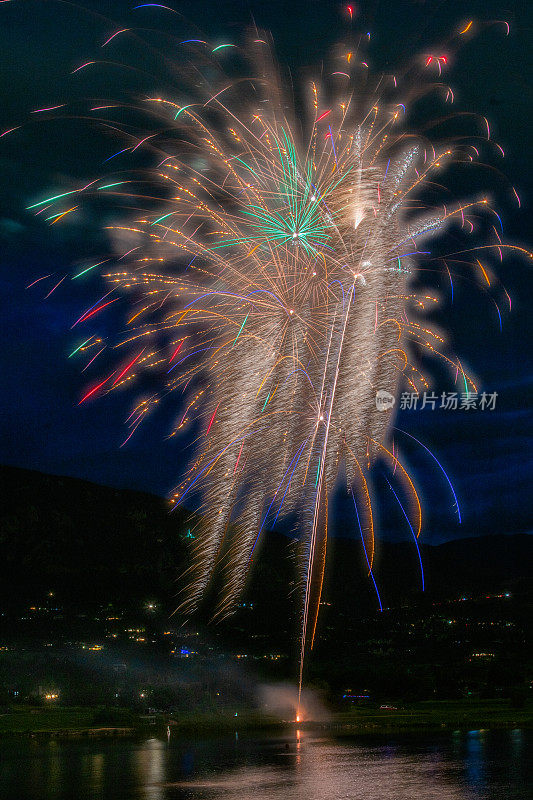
(487, 454)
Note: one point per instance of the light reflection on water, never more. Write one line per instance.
(474, 765)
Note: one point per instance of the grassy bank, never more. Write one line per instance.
(66, 723)
(61, 722)
(434, 715)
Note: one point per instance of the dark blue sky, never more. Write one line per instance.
(488, 454)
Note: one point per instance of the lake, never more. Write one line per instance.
(474, 765)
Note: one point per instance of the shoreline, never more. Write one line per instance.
(66, 724)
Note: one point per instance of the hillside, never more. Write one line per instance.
(91, 541)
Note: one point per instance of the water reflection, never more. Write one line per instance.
(474, 761)
(150, 767)
(320, 770)
(474, 765)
